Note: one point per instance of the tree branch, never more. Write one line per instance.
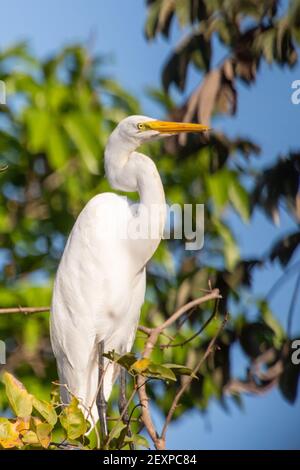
(24, 310)
(188, 340)
(189, 379)
(159, 442)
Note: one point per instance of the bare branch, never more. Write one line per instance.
(24, 310)
(159, 442)
(214, 294)
(259, 379)
(188, 340)
(155, 332)
(189, 379)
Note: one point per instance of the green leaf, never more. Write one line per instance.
(92, 437)
(19, 399)
(239, 198)
(268, 39)
(85, 140)
(31, 334)
(160, 372)
(225, 187)
(152, 20)
(46, 410)
(138, 440)
(218, 188)
(38, 122)
(273, 323)
(117, 429)
(180, 370)
(183, 12)
(231, 250)
(126, 361)
(57, 147)
(73, 421)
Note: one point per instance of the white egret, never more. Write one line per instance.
(100, 283)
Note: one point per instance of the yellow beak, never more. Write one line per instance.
(165, 127)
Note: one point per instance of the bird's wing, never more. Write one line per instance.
(95, 286)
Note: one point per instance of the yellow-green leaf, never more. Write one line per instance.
(138, 440)
(22, 425)
(43, 432)
(38, 122)
(19, 399)
(180, 370)
(218, 188)
(161, 372)
(57, 147)
(9, 436)
(30, 437)
(117, 429)
(240, 199)
(73, 421)
(46, 410)
(85, 140)
(140, 365)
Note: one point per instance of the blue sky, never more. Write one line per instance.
(115, 28)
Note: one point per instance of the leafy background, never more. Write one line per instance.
(61, 110)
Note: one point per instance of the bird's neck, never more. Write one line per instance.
(130, 171)
(152, 195)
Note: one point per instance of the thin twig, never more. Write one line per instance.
(189, 379)
(148, 331)
(136, 388)
(24, 310)
(188, 340)
(260, 378)
(87, 409)
(214, 294)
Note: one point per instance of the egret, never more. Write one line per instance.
(100, 282)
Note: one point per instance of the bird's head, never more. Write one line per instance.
(140, 129)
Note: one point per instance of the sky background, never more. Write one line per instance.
(265, 113)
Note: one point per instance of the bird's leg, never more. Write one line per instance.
(123, 403)
(100, 401)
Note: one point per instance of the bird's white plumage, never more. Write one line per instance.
(100, 283)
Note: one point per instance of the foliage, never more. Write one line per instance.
(245, 34)
(40, 424)
(38, 421)
(52, 135)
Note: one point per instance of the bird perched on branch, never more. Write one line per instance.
(100, 283)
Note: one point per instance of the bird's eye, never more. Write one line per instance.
(140, 126)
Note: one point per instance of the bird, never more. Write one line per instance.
(100, 282)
